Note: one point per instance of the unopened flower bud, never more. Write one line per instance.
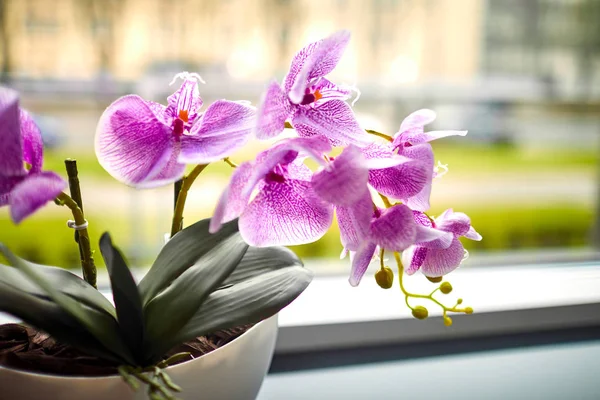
(420, 312)
(445, 287)
(468, 310)
(384, 278)
(434, 280)
(459, 301)
(447, 321)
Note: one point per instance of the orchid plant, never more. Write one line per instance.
(224, 272)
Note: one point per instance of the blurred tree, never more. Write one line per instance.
(99, 17)
(5, 43)
(589, 13)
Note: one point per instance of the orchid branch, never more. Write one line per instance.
(420, 312)
(75, 189)
(186, 184)
(231, 163)
(87, 259)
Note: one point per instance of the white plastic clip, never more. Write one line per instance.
(73, 225)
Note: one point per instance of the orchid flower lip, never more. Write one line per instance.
(187, 75)
(355, 89)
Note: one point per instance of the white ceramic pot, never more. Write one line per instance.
(234, 371)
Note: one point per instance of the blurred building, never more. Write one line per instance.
(245, 39)
(511, 68)
(557, 41)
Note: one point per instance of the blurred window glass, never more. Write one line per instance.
(523, 77)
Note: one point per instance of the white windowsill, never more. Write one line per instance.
(331, 314)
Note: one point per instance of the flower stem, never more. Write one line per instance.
(186, 184)
(72, 173)
(429, 297)
(231, 163)
(87, 259)
(177, 189)
(381, 135)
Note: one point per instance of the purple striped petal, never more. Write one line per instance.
(285, 152)
(432, 235)
(344, 181)
(131, 143)
(422, 219)
(186, 98)
(354, 222)
(382, 163)
(11, 153)
(418, 119)
(316, 60)
(33, 147)
(7, 184)
(395, 229)
(285, 213)
(360, 262)
(222, 129)
(420, 201)
(442, 241)
(232, 202)
(473, 235)
(33, 192)
(433, 135)
(275, 108)
(333, 120)
(428, 236)
(445, 214)
(456, 222)
(412, 259)
(329, 53)
(161, 113)
(399, 182)
(381, 156)
(412, 128)
(167, 170)
(423, 153)
(440, 262)
(330, 91)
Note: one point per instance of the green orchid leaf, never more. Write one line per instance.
(168, 312)
(246, 302)
(65, 281)
(51, 318)
(126, 297)
(260, 260)
(180, 253)
(102, 326)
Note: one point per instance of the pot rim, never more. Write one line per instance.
(169, 368)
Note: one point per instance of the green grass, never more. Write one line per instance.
(462, 158)
(502, 229)
(49, 241)
(44, 237)
(472, 158)
(89, 168)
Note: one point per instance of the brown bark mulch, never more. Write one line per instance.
(26, 348)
